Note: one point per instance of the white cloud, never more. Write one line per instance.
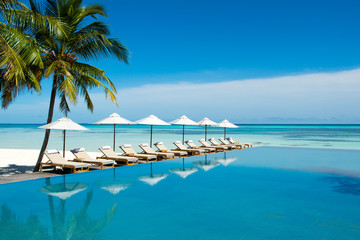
(309, 98)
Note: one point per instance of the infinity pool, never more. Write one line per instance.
(259, 193)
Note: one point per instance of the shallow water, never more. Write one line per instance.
(28, 136)
(259, 193)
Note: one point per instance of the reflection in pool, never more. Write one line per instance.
(183, 172)
(259, 193)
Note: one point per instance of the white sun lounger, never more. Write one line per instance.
(224, 142)
(215, 143)
(57, 160)
(218, 148)
(82, 156)
(129, 151)
(249, 145)
(163, 148)
(181, 147)
(192, 145)
(148, 150)
(110, 154)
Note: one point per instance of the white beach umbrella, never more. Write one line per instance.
(226, 124)
(114, 119)
(183, 172)
(206, 122)
(64, 124)
(183, 120)
(151, 120)
(63, 190)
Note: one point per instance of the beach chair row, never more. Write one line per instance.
(83, 161)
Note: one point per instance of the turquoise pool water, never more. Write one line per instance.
(259, 193)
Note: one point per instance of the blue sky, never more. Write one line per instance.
(201, 42)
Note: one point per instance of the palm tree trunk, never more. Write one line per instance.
(49, 120)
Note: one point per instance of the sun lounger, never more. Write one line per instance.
(57, 160)
(148, 150)
(192, 145)
(129, 151)
(249, 145)
(224, 142)
(218, 148)
(111, 155)
(162, 148)
(181, 147)
(215, 143)
(82, 156)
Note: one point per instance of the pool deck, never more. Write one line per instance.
(26, 176)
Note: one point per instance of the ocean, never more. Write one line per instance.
(29, 136)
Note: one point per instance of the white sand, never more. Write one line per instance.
(28, 157)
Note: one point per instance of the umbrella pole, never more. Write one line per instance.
(205, 132)
(64, 144)
(224, 132)
(151, 127)
(183, 134)
(114, 138)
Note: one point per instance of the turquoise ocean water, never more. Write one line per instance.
(28, 136)
(259, 193)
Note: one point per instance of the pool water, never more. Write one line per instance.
(259, 193)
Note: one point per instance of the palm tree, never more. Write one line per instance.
(19, 54)
(84, 38)
(21, 62)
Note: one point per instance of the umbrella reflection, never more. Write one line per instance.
(152, 179)
(206, 165)
(226, 161)
(114, 185)
(63, 190)
(115, 188)
(183, 172)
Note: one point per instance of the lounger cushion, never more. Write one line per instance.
(144, 145)
(105, 147)
(189, 141)
(127, 146)
(76, 150)
(159, 143)
(52, 151)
